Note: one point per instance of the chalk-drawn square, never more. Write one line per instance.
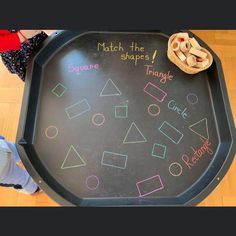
(77, 109)
(121, 111)
(59, 90)
(159, 150)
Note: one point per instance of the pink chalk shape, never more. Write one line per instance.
(149, 185)
(94, 118)
(92, 182)
(155, 92)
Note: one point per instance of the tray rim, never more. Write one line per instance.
(22, 145)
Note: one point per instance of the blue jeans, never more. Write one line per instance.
(17, 177)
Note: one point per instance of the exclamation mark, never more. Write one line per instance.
(154, 56)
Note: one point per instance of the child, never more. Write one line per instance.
(16, 49)
(11, 175)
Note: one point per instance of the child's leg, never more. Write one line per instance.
(18, 177)
(12, 146)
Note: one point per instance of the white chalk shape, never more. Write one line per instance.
(110, 89)
(200, 128)
(134, 135)
(113, 159)
(171, 132)
(73, 159)
(77, 109)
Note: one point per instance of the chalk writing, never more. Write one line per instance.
(137, 51)
(163, 76)
(78, 69)
(172, 105)
(154, 56)
(197, 153)
(106, 47)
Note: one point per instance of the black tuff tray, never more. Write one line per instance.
(108, 120)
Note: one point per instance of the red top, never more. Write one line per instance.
(9, 41)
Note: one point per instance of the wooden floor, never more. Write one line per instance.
(223, 42)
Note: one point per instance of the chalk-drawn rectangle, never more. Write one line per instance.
(77, 109)
(114, 160)
(171, 132)
(155, 92)
(149, 185)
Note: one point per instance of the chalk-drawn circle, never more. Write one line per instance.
(96, 117)
(156, 111)
(192, 98)
(173, 166)
(51, 132)
(92, 182)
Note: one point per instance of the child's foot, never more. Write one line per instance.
(38, 190)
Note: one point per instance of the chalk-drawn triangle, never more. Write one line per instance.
(73, 159)
(134, 135)
(200, 128)
(110, 89)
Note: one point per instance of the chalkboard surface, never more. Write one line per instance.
(116, 118)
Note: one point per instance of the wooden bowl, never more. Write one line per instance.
(184, 67)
